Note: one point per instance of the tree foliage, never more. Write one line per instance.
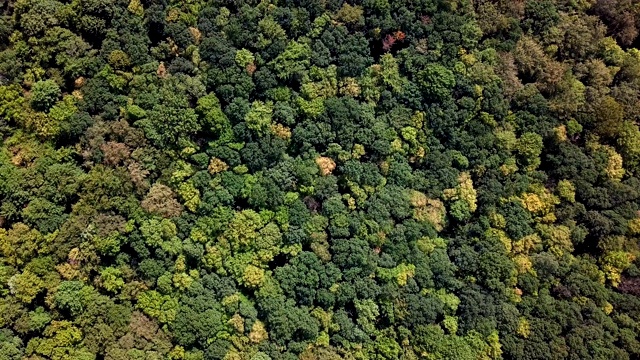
(370, 179)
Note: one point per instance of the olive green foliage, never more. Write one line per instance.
(319, 179)
(44, 95)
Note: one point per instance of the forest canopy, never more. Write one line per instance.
(319, 179)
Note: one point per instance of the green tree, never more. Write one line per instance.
(162, 307)
(294, 60)
(26, 286)
(11, 347)
(44, 95)
(436, 82)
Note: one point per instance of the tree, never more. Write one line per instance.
(436, 82)
(169, 125)
(316, 179)
(620, 18)
(26, 286)
(20, 244)
(259, 117)
(44, 215)
(37, 16)
(308, 280)
(541, 16)
(73, 297)
(432, 340)
(161, 201)
(11, 347)
(172, 119)
(11, 103)
(609, 117)
(293, 61)
(44, 95)
(162, 307)
(214, 118)
(530, 147)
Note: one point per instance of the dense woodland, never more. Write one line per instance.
(319, 179)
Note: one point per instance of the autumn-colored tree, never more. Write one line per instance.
(161, 201)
